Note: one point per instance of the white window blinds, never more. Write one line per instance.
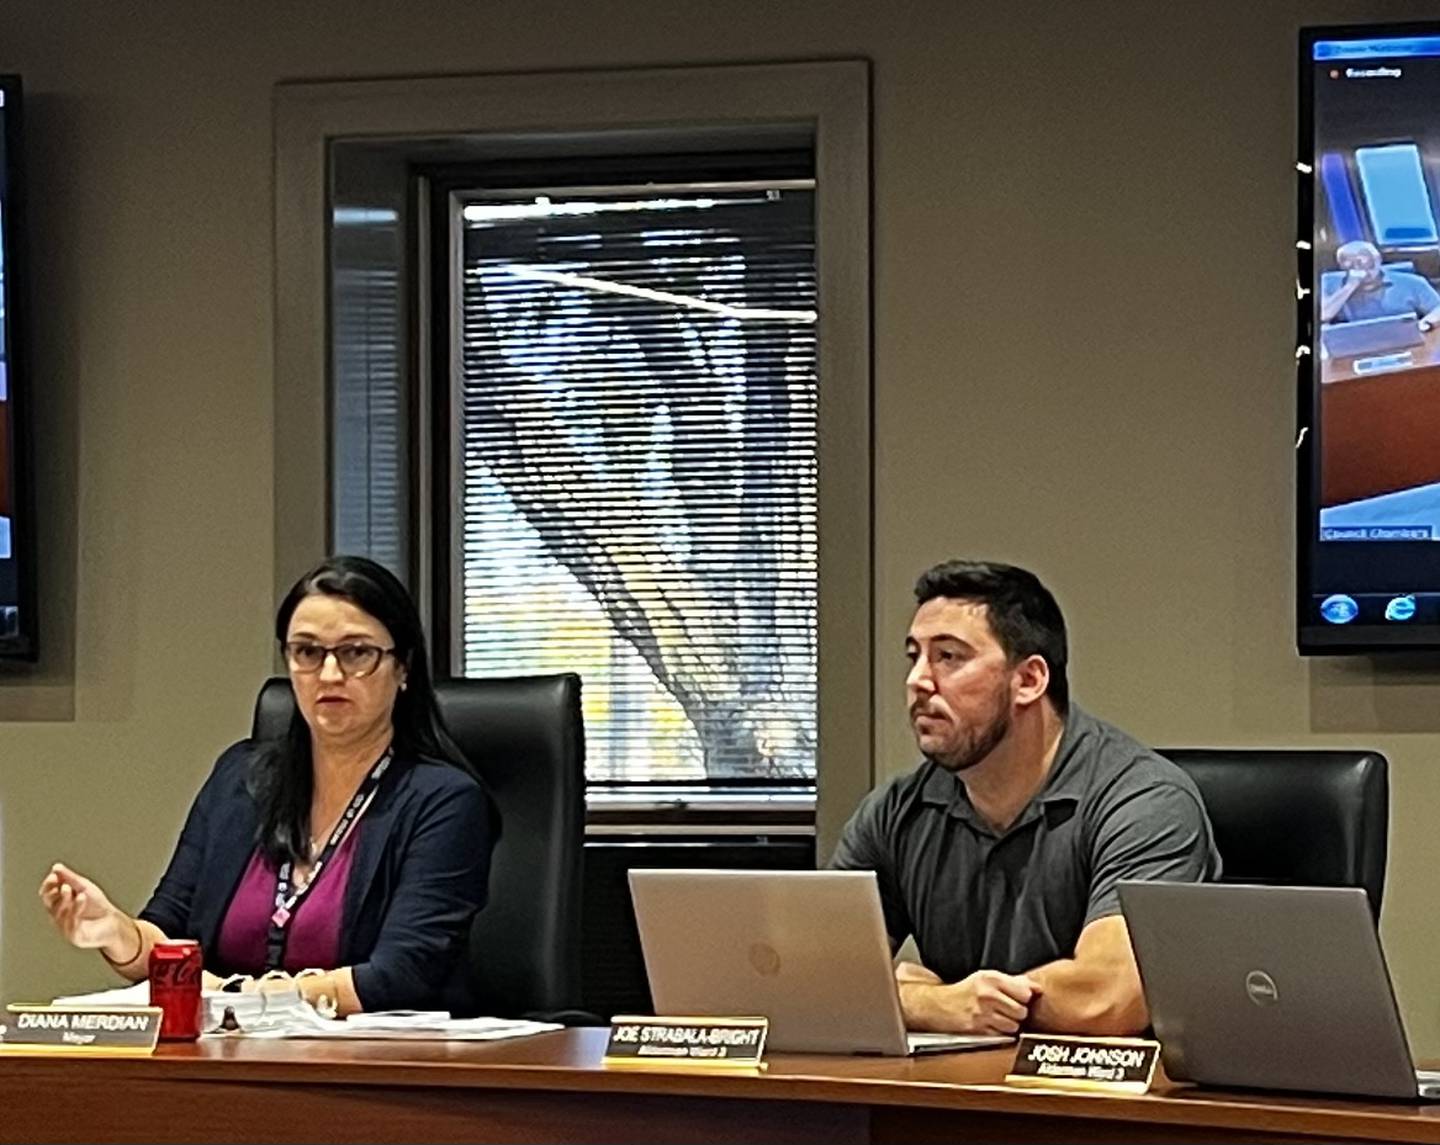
(635, 437)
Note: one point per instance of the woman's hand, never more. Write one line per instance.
(322, 991)
(84, 914)
(272, 982)
(331, 992)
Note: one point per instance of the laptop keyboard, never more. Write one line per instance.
(949, 1043)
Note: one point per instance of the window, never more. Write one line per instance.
(360, 354)
(633, 451)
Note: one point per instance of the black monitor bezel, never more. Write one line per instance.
(24, 645)
(1313, 636)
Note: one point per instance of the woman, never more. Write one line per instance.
(359, 844)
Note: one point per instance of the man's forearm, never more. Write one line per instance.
(1080, 998)
(926, 1008)
(985, 1002)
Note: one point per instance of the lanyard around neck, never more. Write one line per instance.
(287, 900)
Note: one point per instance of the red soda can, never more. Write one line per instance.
(175, 988)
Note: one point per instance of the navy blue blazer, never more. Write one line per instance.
(419, 875)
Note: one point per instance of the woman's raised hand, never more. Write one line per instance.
(82, 912)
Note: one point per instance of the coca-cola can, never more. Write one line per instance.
(175, 987)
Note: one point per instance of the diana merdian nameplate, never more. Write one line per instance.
(80, 1029)
(640, 1040)
(1114, 1065)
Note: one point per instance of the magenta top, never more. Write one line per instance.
(314, 930)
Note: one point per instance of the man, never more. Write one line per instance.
(1001, 852)
(1372, 291)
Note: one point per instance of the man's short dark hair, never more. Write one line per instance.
(1022, 613)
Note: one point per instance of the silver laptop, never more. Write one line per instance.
(1368, 336)
(1271, 988)
(806, 949)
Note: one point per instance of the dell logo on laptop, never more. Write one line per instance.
(1261, 989)
(765, 959)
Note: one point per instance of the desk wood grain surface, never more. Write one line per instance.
(553, 1088)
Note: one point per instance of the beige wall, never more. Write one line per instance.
(1083, 216)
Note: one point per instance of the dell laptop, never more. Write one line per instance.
(1271, 988)
(806, 949)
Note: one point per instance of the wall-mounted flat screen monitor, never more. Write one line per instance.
(17, 541)
(1368, 350)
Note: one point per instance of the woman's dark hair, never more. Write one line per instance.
(282, 781)
(1022, 613)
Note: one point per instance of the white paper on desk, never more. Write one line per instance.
(135, 994)
(433, 1027)
(304, 1022)
(272, 1013)
(284, 1014)
(398, 1019)
(258, 1013)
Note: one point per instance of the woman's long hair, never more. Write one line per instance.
(282, 781)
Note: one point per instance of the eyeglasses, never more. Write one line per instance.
(354, 660)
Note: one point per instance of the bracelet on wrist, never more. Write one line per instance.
(139, 949)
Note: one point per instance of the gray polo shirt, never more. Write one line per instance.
(1110, 809)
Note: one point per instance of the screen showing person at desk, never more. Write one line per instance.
(1376, 243)
(1369, 575)
(9, 588)
(1370, 289)
(9, 571)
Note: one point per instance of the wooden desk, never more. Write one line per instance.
(1379, 431)
(552, 1088)
(1421, 356)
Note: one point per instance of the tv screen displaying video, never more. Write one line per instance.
(17, 621)
(1368, 294)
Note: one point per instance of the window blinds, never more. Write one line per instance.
(635, 438)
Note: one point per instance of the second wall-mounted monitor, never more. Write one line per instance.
(17, 538)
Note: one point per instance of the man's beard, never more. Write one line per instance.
(979, 739)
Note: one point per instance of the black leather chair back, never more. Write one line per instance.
(526, 737)
(1297, 818)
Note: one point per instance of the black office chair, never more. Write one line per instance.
(526, 737)
(1298, 818)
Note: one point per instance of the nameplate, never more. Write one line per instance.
(1380, 363)
(649, 1041)
(80, 1029)
(1110, 1065)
